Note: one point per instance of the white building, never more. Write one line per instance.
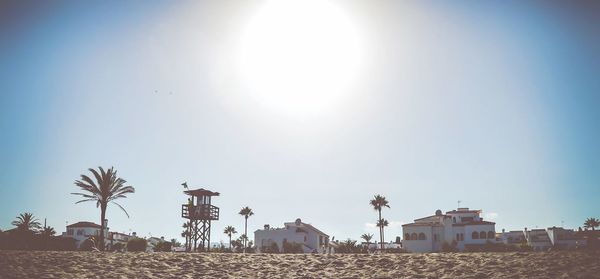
(310, 238)
(81, 231)
(117, 238)
(538, 239)
(565, 239)
(462, 227)
(515, 238)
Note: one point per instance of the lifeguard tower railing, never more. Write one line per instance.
(200, 212)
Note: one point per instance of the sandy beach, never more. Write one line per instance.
(26, 264)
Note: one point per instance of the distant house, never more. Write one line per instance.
(514, 238)
(461, 227)
(152, 242)
(311, 239)
(538, 239)
(117, 238)
(81, 231)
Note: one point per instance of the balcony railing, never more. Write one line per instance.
(200, 212)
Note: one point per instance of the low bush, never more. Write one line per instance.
(163, 246)
(292, 248)
(137, 244)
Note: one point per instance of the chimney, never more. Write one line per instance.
(134, 234)
(503, 230)
(267, 226)
(162, 238)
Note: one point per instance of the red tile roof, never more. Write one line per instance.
(463, 211)
(423, 224)
(84, 225)
(472, 223)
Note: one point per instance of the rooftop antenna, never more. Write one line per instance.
(458, 203)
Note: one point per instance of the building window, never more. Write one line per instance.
(413, 236)
(462, 237)
(70, 232)
(406, 236)
(422, 236)
(482, 235)
(491, 235)
(475, 235)
(457, 237)
(80, 232)
(305, 238)
(435, 237)
(453, 219)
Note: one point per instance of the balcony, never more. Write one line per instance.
(200, 212)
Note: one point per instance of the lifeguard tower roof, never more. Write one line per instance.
(201, 192)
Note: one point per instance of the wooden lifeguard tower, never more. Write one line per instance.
(200, 212)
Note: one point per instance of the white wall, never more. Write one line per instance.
(418, 246)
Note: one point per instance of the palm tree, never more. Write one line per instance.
(27, 222)
(378, 202)
(381, 224)
(246, 212)
(48, 231)
(591, 223)
(186, 233)
(107, 188)
(367, 237)
(229, 230)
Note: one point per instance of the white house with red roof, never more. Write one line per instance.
(459, 228)
(81, 231)
(312, 240)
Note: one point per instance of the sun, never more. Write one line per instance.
(299, 57)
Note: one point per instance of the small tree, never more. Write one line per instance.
(27, 222)
(48, 231)
(137, 244)
(591, 223)
(162, 246)
(246, 212)
(229, 231)
(367, 238)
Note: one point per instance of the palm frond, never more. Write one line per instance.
(122, 209)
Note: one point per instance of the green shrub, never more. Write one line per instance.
(449, 247)
(137, 244)
(163, 246)
(271, 249)
(292, 248)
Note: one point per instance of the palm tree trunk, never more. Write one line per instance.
(230, 249)
(102, 217)
(245, 233)
(380, 232)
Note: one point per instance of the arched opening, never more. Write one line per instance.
(422, 236)
(482, 235)
(491, 235)
(406, 236)
(475, 235)
(413, 236)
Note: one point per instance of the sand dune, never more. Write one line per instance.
(24, 264)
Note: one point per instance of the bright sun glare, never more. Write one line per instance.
(299, 57)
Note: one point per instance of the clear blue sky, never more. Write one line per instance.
(492, 103)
